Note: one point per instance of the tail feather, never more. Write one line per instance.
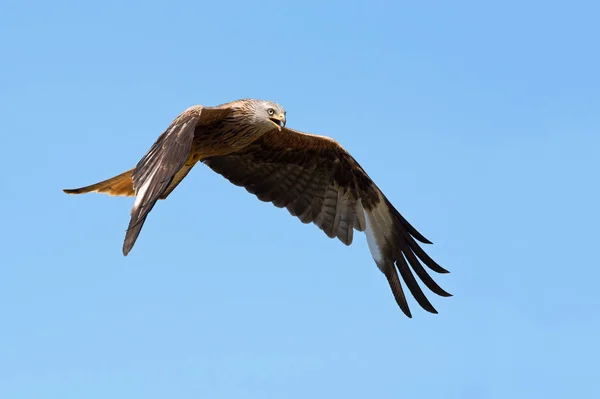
(121, 185)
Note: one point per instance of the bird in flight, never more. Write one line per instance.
(314, 177)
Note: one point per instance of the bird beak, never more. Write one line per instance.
(279, 120)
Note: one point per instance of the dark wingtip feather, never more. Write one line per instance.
(133, 230)
(127, 244)
(130, 239)
(443, 293)
(395, 285)
(404, 223)
(413, 286)
(422, 239)
(422, 273)
(426, 259)
(405, 309)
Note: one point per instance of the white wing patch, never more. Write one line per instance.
(371, 240)
(142, 191)
(377, 227)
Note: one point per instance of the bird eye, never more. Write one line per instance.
(270, 111)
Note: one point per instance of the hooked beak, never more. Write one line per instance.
(279, 120)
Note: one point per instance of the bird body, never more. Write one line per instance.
(313, 176)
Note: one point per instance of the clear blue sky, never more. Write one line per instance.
(479, 120)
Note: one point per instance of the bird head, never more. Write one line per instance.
(276, 115)
(271, 113)
(261, 114)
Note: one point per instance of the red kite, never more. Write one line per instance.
(314, 177)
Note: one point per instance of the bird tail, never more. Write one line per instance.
(121, 185)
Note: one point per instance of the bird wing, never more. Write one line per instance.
(318, 181)
(164, 165)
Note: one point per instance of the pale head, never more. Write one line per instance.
(265, 113)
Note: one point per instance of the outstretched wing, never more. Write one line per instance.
(164, 166)
(318, 181)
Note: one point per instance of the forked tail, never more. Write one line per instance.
(119, 185)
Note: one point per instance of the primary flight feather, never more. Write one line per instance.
(314, 177)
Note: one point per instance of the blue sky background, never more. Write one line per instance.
(479, 120)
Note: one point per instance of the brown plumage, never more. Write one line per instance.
(314, 177)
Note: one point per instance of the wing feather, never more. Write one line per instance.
(155, 171)
(320, 182)
(164, 166)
